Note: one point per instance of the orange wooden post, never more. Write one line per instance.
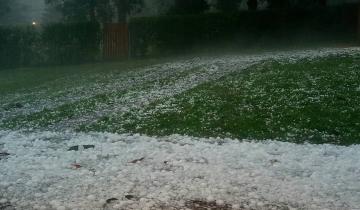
(116, 41)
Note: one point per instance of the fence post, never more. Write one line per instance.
(116, 41)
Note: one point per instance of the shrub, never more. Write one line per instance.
(19, 46)
(58, 43)
(178, 34)
(68, 43)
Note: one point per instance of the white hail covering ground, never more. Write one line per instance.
(165, 173)
(142, 86)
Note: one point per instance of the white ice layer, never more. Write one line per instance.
(165, 173)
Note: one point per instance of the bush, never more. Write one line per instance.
(19, 46)
(179, 34)
(189, 7)
(58, 43)
(71, 42)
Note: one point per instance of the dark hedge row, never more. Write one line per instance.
(72, 43)
(179, 34)
(150, 36)
(53, 44)
(19, 46)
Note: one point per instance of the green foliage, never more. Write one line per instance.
(125, 7)
(4, 7)
(228, 5)
(174, 34)
(189, 7)
(279, 4)
(71, 42)
(77, 10)
(94, 10)
(54, 44)
(20, 46)
(252, 5)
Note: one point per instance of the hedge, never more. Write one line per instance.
(60, 43)
(178, 34)
(19, 46)
(71, 43)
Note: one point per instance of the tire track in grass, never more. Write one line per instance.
(68, 115)
(120, 103)
(43, 97)
(210, 69)
(213, 70)
(267, 101)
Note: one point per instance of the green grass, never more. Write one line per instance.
(310, 101)
(315, 101)
(87, 106)
(25, 79)
(48, 117)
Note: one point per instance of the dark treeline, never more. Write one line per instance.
(223, 32)
(119, 10)
(105, 11)
(185, 26)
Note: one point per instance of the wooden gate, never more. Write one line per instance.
(116, 41)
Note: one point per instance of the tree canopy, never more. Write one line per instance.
(4, 7)
(228, 5)
(189, 6)
(94, 10)
(304, 4)
(125, 7)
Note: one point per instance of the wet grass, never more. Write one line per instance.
(25, 79)
(77, 114)
(309, 101)
(48, 117)
(315, 101)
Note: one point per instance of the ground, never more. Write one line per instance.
(276, 130)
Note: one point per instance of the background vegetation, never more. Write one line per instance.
(61, 43)
(173, 34)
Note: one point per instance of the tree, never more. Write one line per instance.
(279, 4)
(156, 7)
(252, 4)
(228, 5)
(95, 10)
(4, 7)
(189, 6)
(12, 12)
(125, 7)
(307, 4)
(75, 10)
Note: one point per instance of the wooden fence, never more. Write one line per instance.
(116, 41)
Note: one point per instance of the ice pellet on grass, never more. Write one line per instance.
(176, 169)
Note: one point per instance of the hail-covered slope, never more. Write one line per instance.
(134, 91)
(121, 171)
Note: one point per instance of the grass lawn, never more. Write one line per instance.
(13, 81)
(309, 101)
(161, 134)
(315, 101)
